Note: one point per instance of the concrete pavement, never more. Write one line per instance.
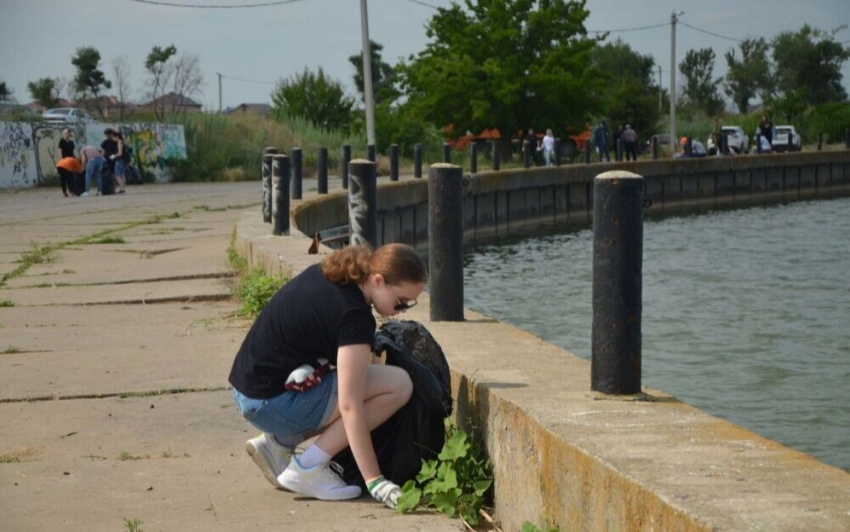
(113, 368)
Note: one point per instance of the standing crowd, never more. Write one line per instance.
(105, 165)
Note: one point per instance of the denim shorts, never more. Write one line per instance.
(292, 413)
(119, 167)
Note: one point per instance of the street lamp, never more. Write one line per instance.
(674, 18)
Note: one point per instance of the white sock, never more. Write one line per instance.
(313, 456)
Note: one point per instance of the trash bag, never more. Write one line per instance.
(417, 431)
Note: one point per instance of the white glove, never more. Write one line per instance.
(111, 157)
(385, 491)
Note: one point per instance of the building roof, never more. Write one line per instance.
(256, 108)
(174, 100)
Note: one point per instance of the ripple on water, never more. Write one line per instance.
(745, 312)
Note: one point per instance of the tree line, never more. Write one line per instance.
(165, 72)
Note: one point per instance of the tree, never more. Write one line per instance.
(89, 80)
(314, 97)
(701, 88)
(750, 75)
(159, 74)
(383, 76)
(186, 80)
(45, 91)
(5, 92)
(121, 74)
(508, 64)
(810, 59)
(631, 94)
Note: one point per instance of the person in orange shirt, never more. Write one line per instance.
(69, 169)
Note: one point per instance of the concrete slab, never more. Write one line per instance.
(184, 468)
(135, 293)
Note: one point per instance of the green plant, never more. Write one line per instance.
(133, 525)
(455, 483)
(6, 303)
(255, 289)
(531, 527)
(107, 240)
(11, 350)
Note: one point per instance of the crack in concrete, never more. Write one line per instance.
(190, 277)
(154, 301)
(120, 395)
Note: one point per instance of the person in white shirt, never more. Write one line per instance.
(548, 147)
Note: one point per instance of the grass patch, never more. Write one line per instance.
(46, 285)
(252, 286)
(69, 271)
(11, 350)
(16, 457)
(133, 525)
(125, 456)
(6, 302)
(107, 240)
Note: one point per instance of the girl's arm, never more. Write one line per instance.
(352, 364)
(120, 149)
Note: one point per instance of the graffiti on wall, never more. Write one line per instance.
(17, 155)
(29, 152)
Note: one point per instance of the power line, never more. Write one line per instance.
(710, 32)
(213, 6)
(248, 80)
(622, 30)
(424, 4)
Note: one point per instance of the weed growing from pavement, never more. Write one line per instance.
(528, 526)
(11, 350)
(133, 525)
(253, 287)
(9, 459)
(456, 483)
(6, 302)
(107, 240)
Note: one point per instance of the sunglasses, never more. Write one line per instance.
(399, 306)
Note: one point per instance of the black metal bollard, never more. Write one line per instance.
(496, 159)
(280, 195)
(758, 143)
(820, 141)
(559, 150)
(267, 183)
(526, 154)
(847, 139)
(297, 174)
(689, 146)
(346, 158)
(417, 160)
(363, 203)
(393, 162)
(655, 147)
(473, 158)
(322, 171)
(587, 152)
(445, 241)
(619, 153)
(370, 153)
(617, 283)
(447, 152)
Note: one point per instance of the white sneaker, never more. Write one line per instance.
(321, 482)
(84, 195)
(270, 456)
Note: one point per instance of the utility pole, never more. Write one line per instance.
(367, 75)
(660, 104)
(219, 92)
(674, 18)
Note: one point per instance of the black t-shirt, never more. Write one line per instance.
(66, 147)
(309, 318)
(109, 147)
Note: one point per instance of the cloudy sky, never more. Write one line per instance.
(39, 37)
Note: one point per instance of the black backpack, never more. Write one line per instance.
(417, 431)
(128, 154)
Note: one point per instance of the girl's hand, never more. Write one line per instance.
(385, 491)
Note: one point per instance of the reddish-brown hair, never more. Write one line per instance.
(397, 263)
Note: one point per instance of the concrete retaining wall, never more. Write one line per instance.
(517, 202)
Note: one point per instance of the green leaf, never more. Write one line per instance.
(428, 471)
(470, 515)
(480, 486)
(410, 497)
(445, 502)
(529, 527)
(455, 448)
(446, 479)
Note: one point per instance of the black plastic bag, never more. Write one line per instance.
(415, 432)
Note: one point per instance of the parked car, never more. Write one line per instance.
(737, 140)
(781, 139)
(68, 115)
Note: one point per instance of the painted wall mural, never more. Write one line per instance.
(29, 151)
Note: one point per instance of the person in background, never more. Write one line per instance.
(548, 147)
(630, 143)
(717, 134)
(66, 145)
(108, 148)
(120, 173)
(69, 171)
(600, 138)
(532, 145)
(93, 162)
(766, 129)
